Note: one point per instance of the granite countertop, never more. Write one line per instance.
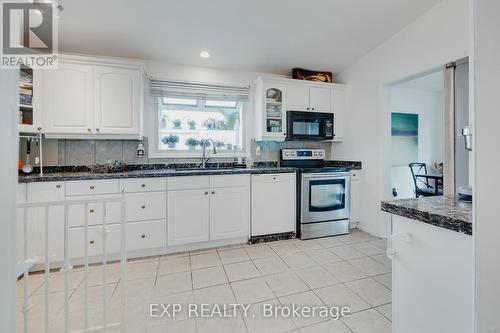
(443, 211)
(120, 170)
(166, 172)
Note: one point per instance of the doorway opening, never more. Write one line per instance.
(416, 107)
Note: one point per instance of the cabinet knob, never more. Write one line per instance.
(58, 186)
(92, 187)
(143, 206)
(313, 108)
(143, 185)
(39, 128)
(213, 192)
(206, 193)
(97, 130)
(143, 236)
(92, 242)
(91, 210)
(89, 130)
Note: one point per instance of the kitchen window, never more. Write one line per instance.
(188, 114)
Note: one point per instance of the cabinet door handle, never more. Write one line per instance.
(92, 187)
(143, 206)
(143, 185)
(206, 193)
(213, 192)
(313, 109)
(89, 130)
(92, 242)
(143, 236)
(39, 128)
(97, 130)
(58, 186)
(307, 108)
(92, 211)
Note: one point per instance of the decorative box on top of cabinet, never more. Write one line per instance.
(93, 98)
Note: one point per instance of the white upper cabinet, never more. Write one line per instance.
(297, 98)
(88, 97)
(270, 111)
(118, 99)
(305, 98)
(320, 99)
(67, 99)
(296, 95)
(339, 112)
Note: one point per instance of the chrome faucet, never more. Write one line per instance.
(204, 146)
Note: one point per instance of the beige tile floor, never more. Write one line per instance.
(349, 270)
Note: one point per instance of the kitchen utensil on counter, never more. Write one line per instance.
(28, 168)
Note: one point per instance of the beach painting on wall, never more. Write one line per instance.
(404, 132)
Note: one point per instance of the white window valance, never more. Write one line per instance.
(161, 88)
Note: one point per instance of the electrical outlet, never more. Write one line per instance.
(257, 150)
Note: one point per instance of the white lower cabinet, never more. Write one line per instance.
(355, 197)
(188, 217)
(216, 208)
(36, 218)
(229, 212)
(432, 278)
(95, 241)
(146, 235)
(273, 204)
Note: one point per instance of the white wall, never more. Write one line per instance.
(429, 107)
(437, 37)
(8, 179)
(487, 159)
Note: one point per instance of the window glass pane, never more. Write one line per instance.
(179, 101)
(184, 127)
(221, 104)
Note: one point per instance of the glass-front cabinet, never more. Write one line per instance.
(29, 112)
(270, 111)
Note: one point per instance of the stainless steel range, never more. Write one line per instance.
(324, 194)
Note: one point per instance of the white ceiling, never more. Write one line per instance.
(270, 36)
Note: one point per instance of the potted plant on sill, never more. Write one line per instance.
(170, 140)
(192, 143)
(213, 124)
(192, 124)
(202, 142)
(177, 123)
(219, 144)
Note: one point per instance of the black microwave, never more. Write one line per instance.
(309, 126)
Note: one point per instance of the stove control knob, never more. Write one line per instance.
(293, 153)
(286, 153)
(315, 153)
(320, 153)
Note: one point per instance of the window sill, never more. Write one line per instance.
(195, 154)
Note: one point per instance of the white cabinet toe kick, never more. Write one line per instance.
(162, 215)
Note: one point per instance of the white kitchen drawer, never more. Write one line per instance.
(187, 182)
(92, 187)
(229, 181)
(274, 177)
(146, 206)
(45, 191)
(146, 235)
(95, 240)
(143, 184)
(95, 213)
